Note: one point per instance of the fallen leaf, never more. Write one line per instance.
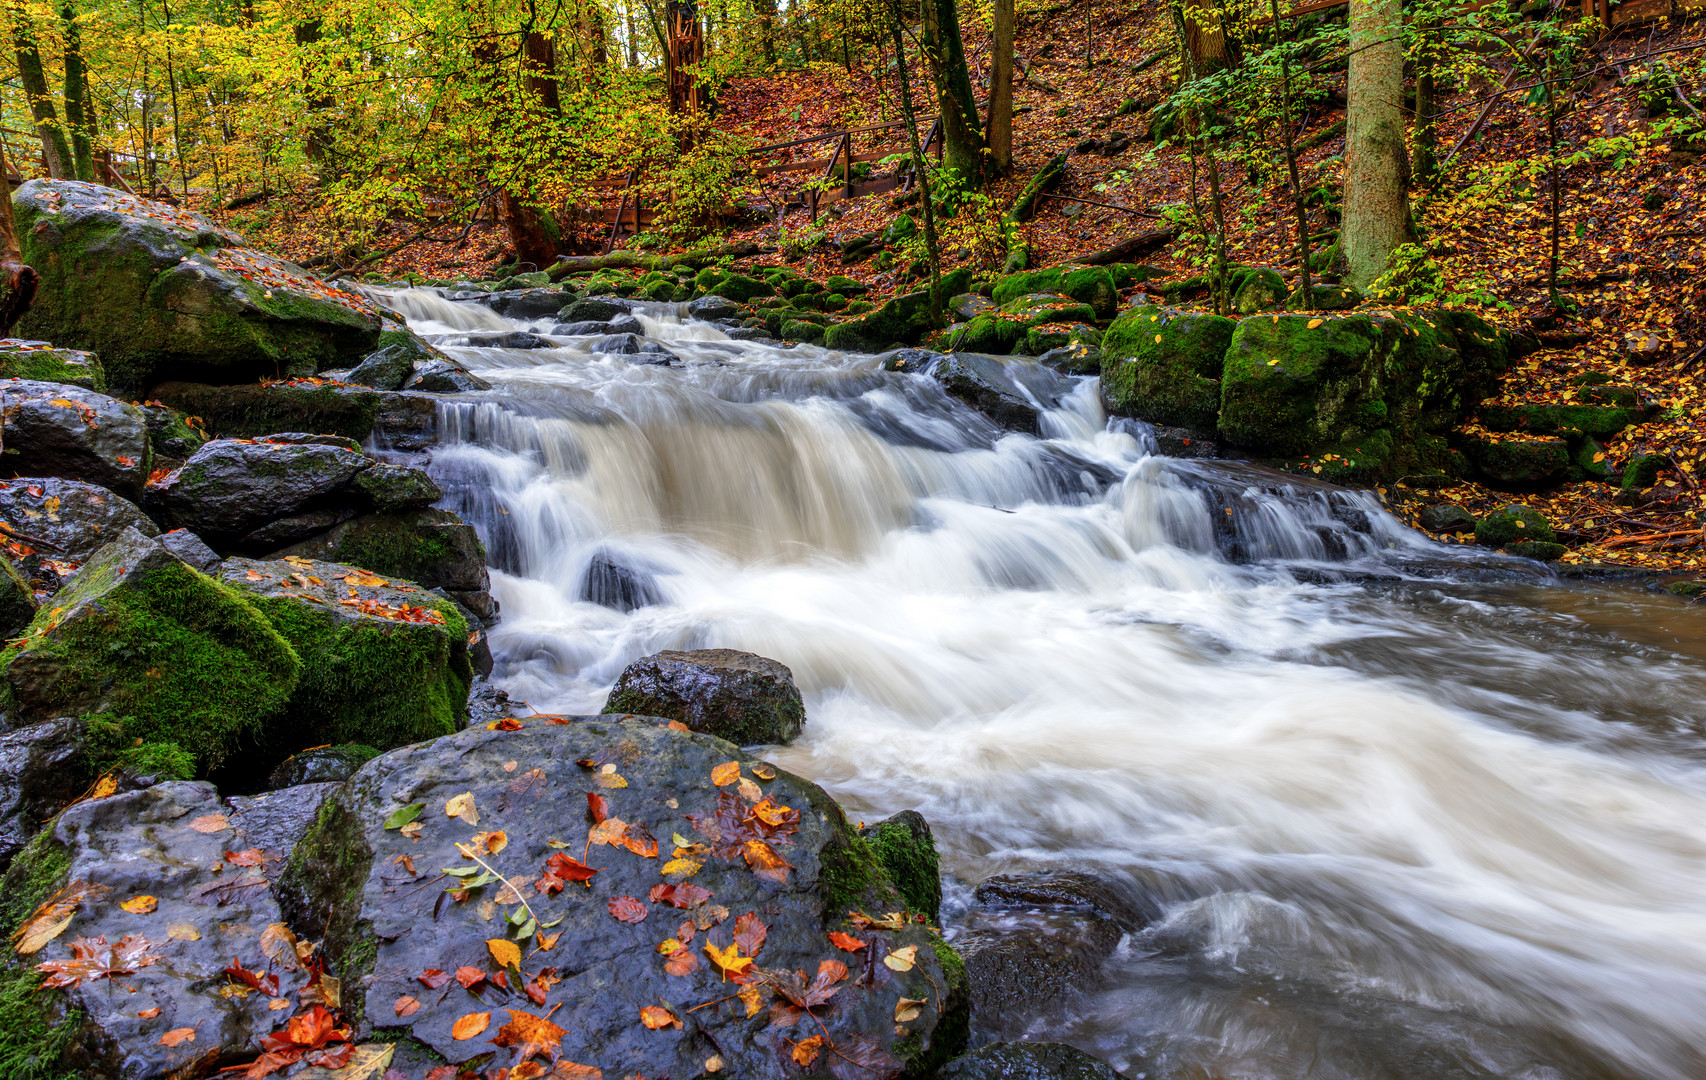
(93, 958)
(462, 806)
(493, 842)
(404, 814)
(369, 581)
(714, 1063)
(183, 932)
(247, 857)
(608, 777)
(278, 1003)
(598, 806)
(505, 953)
(469, 1025)
(266, 983)
(726, 773)
(50, 919)
(470, 977)
(902, 959)
(908, 1009)
(763, 770)
(560, 869)
(547, 942)
(753, 998)
(508, 723)
(749, 790)
(656, 1016)
(765, 861)
(729, 961)
(749, 933)
(211, 823)
(139, 905)
(681, 961)
(407, 1006)
(682, 895)
(433, 978)
(807, 1050)
(606, 832)
(540, 985)
(846, 941)
(178, 1036)
(680, 868)
(627, 909)
(774, 814)
(568, 1070)
(529, 1034)
(280, 945)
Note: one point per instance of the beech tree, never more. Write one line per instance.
(1377, 209)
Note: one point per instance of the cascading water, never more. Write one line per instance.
(1397, 816)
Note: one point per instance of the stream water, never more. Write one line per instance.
(1401, 812)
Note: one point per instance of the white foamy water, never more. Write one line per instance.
(1399, 817)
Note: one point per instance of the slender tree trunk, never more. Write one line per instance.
(598, 48)
(34, 80)
(1377, 210)
(1425, 154)
(76, 96)
(1286, 121)
(1001, 91)
(177, 125)
(633, 36)
(932, 252)
(767, 28)
(683, 50)
(318, 142)
(1205, 36)
(17, 281)
(1552, 296)
(962, 135)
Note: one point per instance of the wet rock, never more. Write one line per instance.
(487, 704)
(901, 321)
(385, 369)
(162, 292)
(42, 768)
(1046, 337)
(619, 344)
(403, 421)
(171, 435)
(180, 658)
(738, 696)
(1077, 359)
(445, 376)
(1512, 523)
(1519, 463)
(969, 305)
(321, 765)
(904, 845)
(626, 324)
(582, 328)
(382, 662)
(1446, 518)
(1027, 1061)
(41, 361)
(152, 843)
(754, 334)
(525, 304)
(288, 530)
(188, 547)
(230, 488)
(515, 339)
(1164, 364)
(382, 930)
(1547, 419)
(52, 429)
(275, 821)
(17, 600)
(911, 361)
(712, 308)
(612, 583)
(1537, 549)
(433, 548)
(1183, 443)
(65, 522)
(397, 487)
(1011, 394)
(1035, 942)
(596, 308)
(1642, 471)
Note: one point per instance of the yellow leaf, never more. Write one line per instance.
(902, 959)
(364, 579)
(681, 868)
(462, 806)
(608, 777)
(907, 1009)
(470, 1025)
(43, 929)
(726, 773)
(183, 932)
(493, 842)
(1313, 323)
(505, 953)
(141, 905)
(1157, 339)
(753, 998)
(728, 960)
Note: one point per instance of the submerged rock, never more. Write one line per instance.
(739, 696)
(633, 948)
(1027, 1061)
(1013, 394)
(612, 583)
(163, 292)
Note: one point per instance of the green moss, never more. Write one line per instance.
(38, 870)
(901, 321)
(183, 658)
(1093, 285)
(322, 885)
(851, 875)
(400, 545)
(33, 1034)
(53, 365)
(1164, 365)
(372, 681)
(1513, 523)
(912, 864)
(1642, 471)
(1537, 549)
(986, 333)
(795, 330)
(1598, 420)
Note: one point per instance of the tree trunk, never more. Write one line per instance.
(1425, 155)
(1305, 286)
(17, 281)
(1377, 211)
(684, 49)
(962, 135)
(767, 28)
(598, 49)
(1205, 37)
(541, 61)
(633, 37)
(318, 143)
(932, 250)
(1001, 91)
(34, 79)
(76, 96)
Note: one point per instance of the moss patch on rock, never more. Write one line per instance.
(1164, 365)
(1093, 285)
(1514, 523)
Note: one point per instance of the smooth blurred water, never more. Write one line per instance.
(1405, 813)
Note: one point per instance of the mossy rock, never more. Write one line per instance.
(986, 333)
(901, 321)
(846, 286)
(1126, 275)
(1537, 549)
(1259, 290)
(907, 850)
(739, 288)
(248, 411)
(1164, 365)
(1325, 298)
(39, 360)
(1092, 285)
(1589, 461)
(796, 330)
(17, 600)
(434, 548)
(141, 636)
(1034, 309)
(161, 292)
(1519, 463)
(173, 434)
(1642, 471)
(1512, 523)
(1553, 419)
(383, 663)
(1046, 337)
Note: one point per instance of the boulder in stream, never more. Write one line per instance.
(739, 696)
(1011, 393)
(52, 429)
(1027, 1061)
(232, 487)
(42, 361)
(62, 523)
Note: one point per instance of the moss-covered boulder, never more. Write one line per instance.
(1164, 365)
(62, 523)
(901, 321)
(776, 867)
(434, 548)
(1325, 298)
(1519, 463)
(1542, 550)
(140, 636)
(161, 292)
(1035, 309)
(1642, 471)
(17, 600)
(1046, 337)
(1092, 285)
(1559, 419)
(731, 286)
(405, 421)
(1259, 289)
(796, 330)
(322, 765)
(42, 361)
(907, 849)
(739, 696)
(172, 435)
(1073, 359)
(383, 663)
(990, 332)
(52, 429)
(1514, 522)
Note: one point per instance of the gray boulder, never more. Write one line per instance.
(515, 339)
(611, 582)
(42, 768)
(442, 375)
(386, 928)
(385, 369)
(63, 522)
(621, 344)
(230, 487)
(1446, 518)
(712, 308)
(739, 696)
(188, 547)
(397, 487)
(275, 821)
(1008, 392)
(595, 308)
(163, 292)
(52, 429)
(525, 303)
(321, 765)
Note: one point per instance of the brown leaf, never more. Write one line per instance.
(681, 961)
(530, 1034)
(568, 1070)
(50, 919)
(470, 977)
(902, 959)
(432, 978)
(178, 1036)
(493, 842)
(407, 1006)
(149, 1014)
(211, 823)
(626, 909)
(469, 1025)
(683, 894)
(750, 933)
(247, 857)
(637, 840)
(93, 958)
(540, 985)
(598, 806)
(765, 861)
(908, 1009)
(749, 790)
(763, 770)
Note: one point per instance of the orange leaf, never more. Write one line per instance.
(765, 862)
(807, 1050)
(178, 1036)
(656, 1016)
(598, 806)
(846, 941)
(470, 1025)
(149, 1014)
(141, 905)
(407, 1006)
(532, 1034)
(726, 773)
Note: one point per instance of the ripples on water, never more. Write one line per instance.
(1400, 816)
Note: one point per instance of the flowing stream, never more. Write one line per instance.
(1399, 811)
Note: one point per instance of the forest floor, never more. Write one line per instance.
(1633, 213)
